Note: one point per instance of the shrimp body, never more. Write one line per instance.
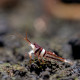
(43, 54)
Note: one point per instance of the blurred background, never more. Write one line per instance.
(54, 24)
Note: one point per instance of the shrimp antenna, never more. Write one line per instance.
(27, 39)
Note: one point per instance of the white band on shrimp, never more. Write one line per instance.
(33, 46)
(30, 52)
(68, 61)
(53, 53)
(42, 52)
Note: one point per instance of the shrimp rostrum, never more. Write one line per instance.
(41, 53)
